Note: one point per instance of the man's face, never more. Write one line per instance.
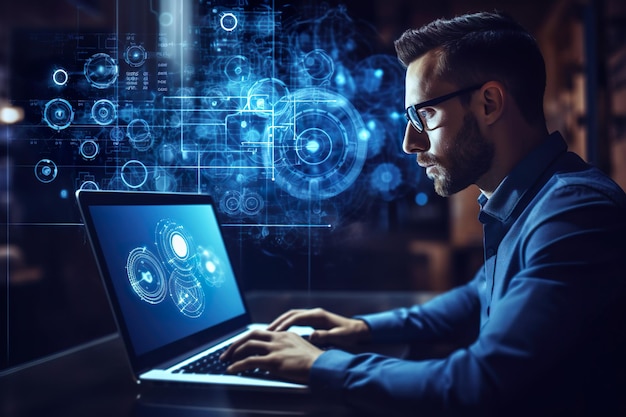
(453, 150)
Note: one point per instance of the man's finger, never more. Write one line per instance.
(260, 335)
(284, 321)
(251, 362)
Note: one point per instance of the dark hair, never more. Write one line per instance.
(480, 47)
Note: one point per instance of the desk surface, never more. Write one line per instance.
(96, 381)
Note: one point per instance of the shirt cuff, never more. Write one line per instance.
(328, 374)
(384, 327)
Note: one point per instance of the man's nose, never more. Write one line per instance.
(414, 141)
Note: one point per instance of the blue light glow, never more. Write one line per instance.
(421, 199)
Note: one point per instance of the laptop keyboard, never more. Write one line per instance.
(211, 364)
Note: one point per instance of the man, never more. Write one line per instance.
(546, 308)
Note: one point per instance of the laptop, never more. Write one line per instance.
(171, 285)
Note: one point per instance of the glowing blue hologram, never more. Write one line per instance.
(251, 203)
(314, 146)
(115, 182)
(167, 153)
(116, 135)
(378, 134)
(58, 114)
(172, 119)
(199, 134)
(245, 170)
(135, 55)
(272, 111)
(228, 22)
(164, 181)
(139, 136)
(380, 79)
(146, 276)
(282, 61)
(103, 112)
(318, 65)
(175, 246)
(343, 82)
(60, 77)
(230, 203)
(89, 149)
(263, 23)
(216, 166)
(185, 97)
(134, 174)
(268, 97)
(386, 178)
(210, 267)
(322, 149)
(46, 171)
(187, 294)
(216, 99)
(89, 185)
(101, 70)
(237, 68)
(247, 132)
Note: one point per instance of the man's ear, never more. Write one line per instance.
(493, 99)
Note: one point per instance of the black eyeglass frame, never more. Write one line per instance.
(412, 115)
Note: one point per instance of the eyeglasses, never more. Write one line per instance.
(412, 112)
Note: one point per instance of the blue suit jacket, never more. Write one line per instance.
(547, 308)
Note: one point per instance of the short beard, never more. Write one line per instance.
(470, 157)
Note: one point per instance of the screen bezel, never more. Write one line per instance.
(145, 361)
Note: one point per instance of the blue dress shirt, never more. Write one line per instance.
(547, 308)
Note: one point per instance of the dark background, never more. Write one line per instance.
(51, 296)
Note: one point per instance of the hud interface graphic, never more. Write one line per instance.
(289, 115)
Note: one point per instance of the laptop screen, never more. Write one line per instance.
(169, 269)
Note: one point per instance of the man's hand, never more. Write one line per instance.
(284, 354)
(331, 329)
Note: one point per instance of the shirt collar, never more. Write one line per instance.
(525, 174)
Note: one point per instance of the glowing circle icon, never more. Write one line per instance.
(252, 203)
(101, 71)
(179, 245)
(116, 134)
(60, 77)
(135, 55)
(228, 22)
(89, 185)
(175, 246)
(268, 97)
(187, 294)
(139, 135)
(318, 65)
(46, 171)
(386, 177)
(166, 19)
(103, 112)
(58, 114)
(322, 148)
(230, 203)
(210, 267)
(237, 68)
(313, 146)
(146, 276)
(89, 149)
(134, 174)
